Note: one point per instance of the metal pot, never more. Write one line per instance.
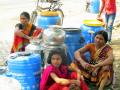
(34, 47)
(54, 35)
(48, 48)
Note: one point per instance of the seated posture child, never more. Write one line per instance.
(56, 76)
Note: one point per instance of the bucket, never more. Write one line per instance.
(47, 18)
(94, 6)
(89, 28)
(74, 40)
(25, 67)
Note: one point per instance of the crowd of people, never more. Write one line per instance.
(99, 69)
(60, 76)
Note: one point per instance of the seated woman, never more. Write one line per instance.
(99, 69)
(24, 32)
(56, 75)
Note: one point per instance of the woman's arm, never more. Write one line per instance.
(74, 67)
(107, 61)
(101, 9)
(19, 33)
(63, 81)
(37, 33)
(78, 56)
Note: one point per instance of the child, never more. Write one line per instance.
(56, 75)
(24, 32)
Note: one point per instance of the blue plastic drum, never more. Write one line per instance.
(94, 6)
(48, 18)
(89, 28)
(25, 67)
(74, 40)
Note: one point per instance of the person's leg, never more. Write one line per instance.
(106, 20)
(103, 83)
(110, 20)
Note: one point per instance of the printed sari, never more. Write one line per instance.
(96, 57)
(20, 43)
(47, 83)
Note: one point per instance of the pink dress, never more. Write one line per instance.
(47, 83)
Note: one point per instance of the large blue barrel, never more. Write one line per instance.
(48, 18)
(73, 41)
(89, 28)
(94, 6)
(25, 67)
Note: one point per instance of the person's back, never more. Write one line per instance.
(110, 6)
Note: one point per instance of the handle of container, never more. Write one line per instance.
(20, 54)
(82, 39)
(24, 54)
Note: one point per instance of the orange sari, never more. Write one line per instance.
(20, 43)
(96, 57)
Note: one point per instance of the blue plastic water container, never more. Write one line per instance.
(89, 28)
(48, 18)
(25, 67)
(94, 6)
(74, 40)
(20, 63)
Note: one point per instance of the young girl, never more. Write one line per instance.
(56, 75)
(24, 32)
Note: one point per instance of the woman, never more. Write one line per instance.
(99, 68)
(110, 14)
(56, 75)
(24, 32)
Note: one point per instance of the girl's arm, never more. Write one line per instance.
(63, 81)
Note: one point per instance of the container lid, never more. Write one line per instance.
(49, 13)
(71, 29)
(93, 22)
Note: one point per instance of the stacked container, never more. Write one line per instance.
(25, 67)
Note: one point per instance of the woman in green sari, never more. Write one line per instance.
(99, 68)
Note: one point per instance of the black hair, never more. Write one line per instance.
(26, 14)
(104, 34)
(60, 52)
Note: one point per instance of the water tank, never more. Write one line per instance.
(25, 67)
(73, 40)
(46, 18)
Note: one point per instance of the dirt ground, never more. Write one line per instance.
(74, 14)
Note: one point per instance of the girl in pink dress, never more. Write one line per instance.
(57, 77)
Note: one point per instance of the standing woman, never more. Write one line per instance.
(110, 14)
(24, 32)
(99, 69)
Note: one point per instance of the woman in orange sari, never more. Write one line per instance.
(99, 68)
(24, 31)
